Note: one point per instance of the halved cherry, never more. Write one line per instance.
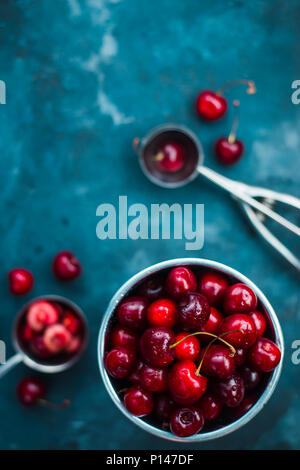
(57, 338)
(41, 313)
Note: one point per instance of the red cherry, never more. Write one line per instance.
(138, 402)
(74, 345)
(39, 348)
(56, 338)
(134, 377)
(259, 321)
(164, 405)
(30, 390)
(155, 346)
(66, 266)
(244, 338)
(213, 286)
(240, 356)
(211, 406)
(20, 281)
(186, 421)
(170, 157)
(218, 361)
(250, 376)
(153, 379)
(71, 322)
(243, 407)
(122, 336)
(193, 311)
(185, 386)
(119, 362)
(210, 106)
(152, 289)
(239, 298)
(264, 355)
(212, 325)
(187, 349)
(132, 312)
(228, 152)
(231, 391)
(180, 281)
(162, 312)
(27, 333)
(40, 314)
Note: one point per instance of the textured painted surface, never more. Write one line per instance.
(83, 78)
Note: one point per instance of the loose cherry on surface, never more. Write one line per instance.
(264, 355)
(119, 362)
(30, 390)
(186, 421)
(123, 336)
(71, 322)
(259, 321)
(170, 156)
(132, 312)
(138, 401)
(164, 405)
(186, 387)
(250, 376)
(239, 298)
(155, 346)
(229, 150)
(193, 311)
(240, 356)
(243, 407)
(246, 334)
(152, 289)
(180, 281)
(153, 379)
(41, 313)
(189, 348)
(212, 325)
(162, 312)
(20, 281)
(218, 361)
(213, 286)
(66, 266)
(231, 391)
(56, 337)
(211, 406)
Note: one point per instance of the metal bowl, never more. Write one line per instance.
(237, 277)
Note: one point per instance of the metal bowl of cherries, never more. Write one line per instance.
(190, 350)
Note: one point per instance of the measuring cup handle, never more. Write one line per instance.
(12, 362)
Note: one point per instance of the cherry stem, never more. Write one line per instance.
(123, 390)
(250, 90)
(208, 334)
(158, 157)
(55, 406)
(135, 144)
(232, 135)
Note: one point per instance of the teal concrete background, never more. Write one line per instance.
(83, 78)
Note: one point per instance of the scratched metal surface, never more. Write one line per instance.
(83, 78)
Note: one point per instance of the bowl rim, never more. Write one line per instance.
(263, 399)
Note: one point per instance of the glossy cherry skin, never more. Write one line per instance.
(171, 155)
(259, 321)
(153, 379)
(134, 377)
(189, 348)
(20, 281)
(30, 390)
(213, 285)
(218, 361)
(152, 289)
(71, 322)
(41, 313)
(243, 407)
(119, 362)
(210, 106)
(138, 401)
(212, 325)
(193, 311)
(162, 312)
(228, 153)
(185, 386)
(244, 338)
(66, 266)
(164, 405)
(155, 346)
(122, 336)
(231, 391)
(211, 406)
(240, 356)
(132, 312)
(264, 355)
(239, 298)
(250, 376)
(180, 281)
(186, 421)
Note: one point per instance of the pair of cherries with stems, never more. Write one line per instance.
(210, 106)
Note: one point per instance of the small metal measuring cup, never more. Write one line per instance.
(255, 209)
(22, 356)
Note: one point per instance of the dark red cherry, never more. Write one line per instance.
(170, 156)
(213, 286)
(20, 281)
(240, 356)
(245, 337)
(212, 325)
(132, 312)
(122, 336)
(27, 333)
(155, 346)
(189, 348)
(164, 405)
(218, 361)
(152, 289)
(179, 281)
(134, 377)
(210, 106)
(66, 266)
(259, 321)
(30, 390)
(186, 421)
(228, 152)
(38, 347)
(231, 391)
(186, 387)
(211, 406)
(250, 376)
(119, 362)
(239, 298)
(264, 355)
(243, 407)
(193, 311)
(154, 379)
(162, 312)
(138, 402)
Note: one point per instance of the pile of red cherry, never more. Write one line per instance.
(188, 351)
